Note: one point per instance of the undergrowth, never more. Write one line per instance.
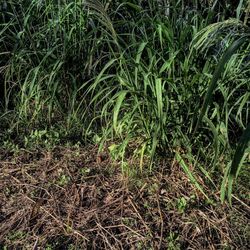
(171, 77)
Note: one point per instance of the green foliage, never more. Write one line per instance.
(16, 235)
(63, 180)
(243, 143)
(163, 76)
(85, 171)
(173, 241)
(233, 169)
(38, 137)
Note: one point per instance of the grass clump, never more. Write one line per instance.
(171, 78)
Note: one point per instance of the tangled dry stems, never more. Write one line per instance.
(70, 197)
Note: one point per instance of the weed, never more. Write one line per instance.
(173, 241)
(17, 235)
(11, 146)
(38, 137)
(85, 171)
(181, 204)
(63, 180)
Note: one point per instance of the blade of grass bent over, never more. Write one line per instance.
(189, 173)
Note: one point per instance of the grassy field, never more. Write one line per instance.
(124, 124)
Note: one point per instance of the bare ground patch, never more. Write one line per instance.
(70, 198)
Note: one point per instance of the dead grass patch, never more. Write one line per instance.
(72, 199)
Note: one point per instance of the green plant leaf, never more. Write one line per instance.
(120, 98)
(189, 174)
(218, 71)
(237, 159)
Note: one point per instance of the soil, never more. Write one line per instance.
(75, 198)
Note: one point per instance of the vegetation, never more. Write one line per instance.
(148, 80)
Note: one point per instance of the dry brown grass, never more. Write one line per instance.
(73, 198)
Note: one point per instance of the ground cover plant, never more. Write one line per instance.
(146, 82)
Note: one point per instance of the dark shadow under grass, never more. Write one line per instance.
(74, 198)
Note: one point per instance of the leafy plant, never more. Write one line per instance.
(231, 173)
(155, 78)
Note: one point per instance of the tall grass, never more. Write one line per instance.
(53, 47)
(166, 76)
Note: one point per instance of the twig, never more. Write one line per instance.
(162, 223)
(58, 221)
(241, 202)
(140, 216)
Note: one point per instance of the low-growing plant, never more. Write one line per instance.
(63, 180)
(173, 241)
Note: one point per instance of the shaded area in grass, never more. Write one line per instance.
(74, 198)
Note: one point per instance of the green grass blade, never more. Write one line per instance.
(189, 173)
(158, 87)
(223, 188)
(239, 9)
(238, 156)
(121, 96)
(137, 61)
(220, 68)
(216, 140)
